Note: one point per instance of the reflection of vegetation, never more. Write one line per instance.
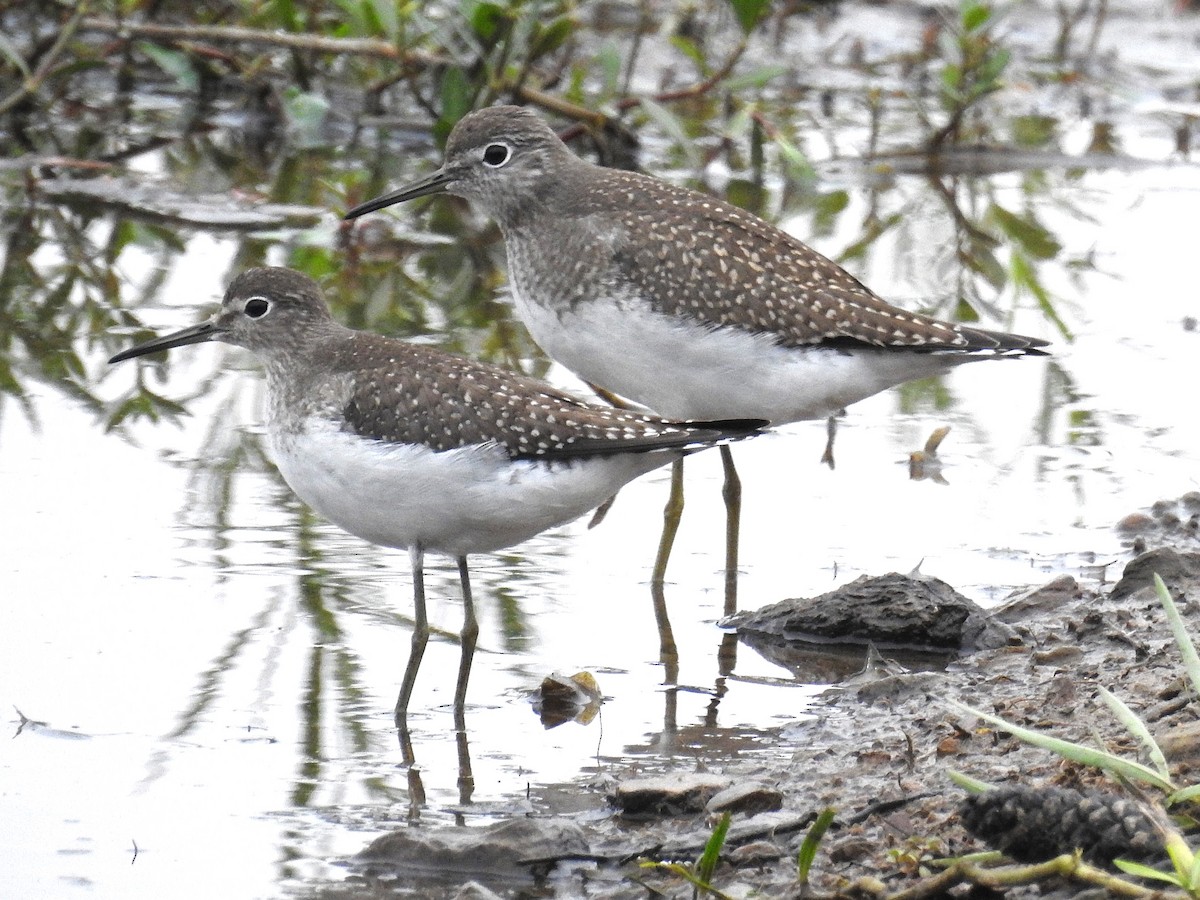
(277, 107)
(971, 66)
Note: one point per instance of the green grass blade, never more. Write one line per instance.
(1140, 871)
(706, 865)
(1193, 876)
(812, 840)
(1087, 756)
(967, 783)
(1188, 793)
(1138, 729)
(1191, 661)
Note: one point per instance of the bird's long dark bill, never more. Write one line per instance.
(434, 184)
(197, 334)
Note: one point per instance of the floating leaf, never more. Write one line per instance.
(691, 50)
(489, 21)
(385, 13)
(673, 126)
(1137, 728)
(1026, 231)
(758, 78)
(1191, 661)
(967, 783)
(458, 95)
(992, 67)
(1143, 871)
(795, 162)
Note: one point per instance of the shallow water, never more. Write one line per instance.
(214, 667)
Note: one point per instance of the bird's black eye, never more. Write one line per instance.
(496, 155)
(256, 307)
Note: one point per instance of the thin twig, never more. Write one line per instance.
(227, 34)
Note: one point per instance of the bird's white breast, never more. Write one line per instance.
(684, 369)
(463, 501)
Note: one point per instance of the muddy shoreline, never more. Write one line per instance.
(879, 756)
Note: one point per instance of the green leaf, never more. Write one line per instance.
(967, 783)
(748, 195)
(827, 208)
(974, 16)
(1137, 728)
(1143, 871)
(1191, 662)
(812, 840)
(706, 865)
(758, 78)
(1101, 759)
(284, 12)
(951, 78)
(748, 12)
(1033, 130)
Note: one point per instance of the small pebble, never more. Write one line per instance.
(747, 797)
(1135, 522)
(756, 853)
(1181, 743)
(670, 794)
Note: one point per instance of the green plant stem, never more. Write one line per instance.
(1066, 866)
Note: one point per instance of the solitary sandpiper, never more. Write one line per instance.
(406, 446)
(679, 301)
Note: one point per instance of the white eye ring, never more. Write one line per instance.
(256, 307)
(496, 155)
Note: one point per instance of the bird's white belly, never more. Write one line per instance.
(458, 502)
(685, 370)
